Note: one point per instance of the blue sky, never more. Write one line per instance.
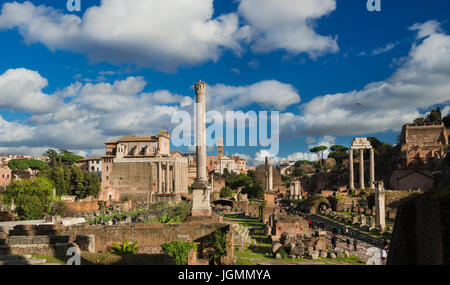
(316, 58)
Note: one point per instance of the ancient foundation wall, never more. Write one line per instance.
(55, 239)
(422, 232)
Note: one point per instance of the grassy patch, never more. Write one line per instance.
(107, 258)
(50, 259)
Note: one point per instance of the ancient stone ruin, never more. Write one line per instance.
(201, 190)
(361, 144)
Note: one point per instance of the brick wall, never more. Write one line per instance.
(422, 232)
(150, 237)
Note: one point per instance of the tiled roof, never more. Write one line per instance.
(135, 138)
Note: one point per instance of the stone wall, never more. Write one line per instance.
(6, 216)
(76, 208)
(422, 232)
(47, 239)
(133, 180)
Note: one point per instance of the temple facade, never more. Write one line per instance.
(141, 168)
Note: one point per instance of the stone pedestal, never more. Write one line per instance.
(201, 204)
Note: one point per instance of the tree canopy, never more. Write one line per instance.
(319, 151)
(24, 164)
(63, 157)
(73, 181)
(338, 153)
(32, 197)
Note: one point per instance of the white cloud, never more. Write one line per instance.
(168, 34)
(288, 25)
(385, 49)
(296, 156)
(151, 33)
(94, 114)
(426, 29)
(422, 81)
(445, 111)
(268, 93)
(20, 90)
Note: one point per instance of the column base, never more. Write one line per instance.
(201, 205)
(201, 213)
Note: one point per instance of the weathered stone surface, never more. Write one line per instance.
(276, 246)
(314, 254)
(332, 255)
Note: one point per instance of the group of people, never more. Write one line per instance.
(112, 222)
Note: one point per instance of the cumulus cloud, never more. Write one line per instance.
(151, 33)
(267, 93)
(288, 25)
(20, 90)
(423, 80)
(94, 113)
(168, 34)
(261, 155)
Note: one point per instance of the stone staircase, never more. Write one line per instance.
(20, 260)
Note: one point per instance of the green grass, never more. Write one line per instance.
(50, 259)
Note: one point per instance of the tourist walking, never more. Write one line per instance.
(355, 244)
(348, 243)
(333, 241)
(384, 255)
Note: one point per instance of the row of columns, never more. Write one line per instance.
(171, 174)
(361, 169)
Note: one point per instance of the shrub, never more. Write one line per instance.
(217, 246)
(30, 207)
(226, 192)
(125, 248)
(179, 250)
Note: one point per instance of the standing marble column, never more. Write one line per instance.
(167, 179)
(201, 205)
(160, 177)
(361, 168)
(175, 178)
(380, 210)
(200, 89)
(372, 169)
(351, 175)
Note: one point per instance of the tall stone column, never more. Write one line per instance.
(167, 179)
(201, 205)
(351, 176)
(361, 168)
(160, 177)
(372, 169)
(200, 89)
(270, 177)
(380, 210)
(175, 178)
